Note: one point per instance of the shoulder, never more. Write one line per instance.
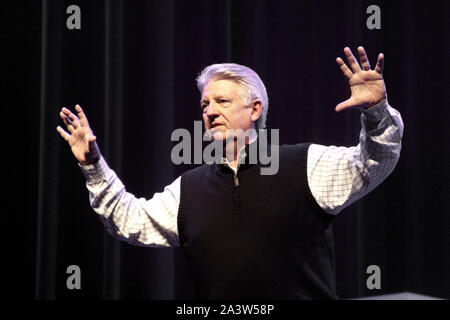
(295, 147)
(294, 150)
(200, 170)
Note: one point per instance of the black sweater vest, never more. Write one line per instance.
(264, 239)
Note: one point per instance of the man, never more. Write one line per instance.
(248, 235)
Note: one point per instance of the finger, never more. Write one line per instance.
(345, 70)
(351, 60)
(380, 63)
(347, 104)
(73, 118)
(365, 65)
(67, 122)
(83, 119)
(63, 133)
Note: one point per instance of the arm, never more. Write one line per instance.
(338, 176)
(140, 222)
(136, 221)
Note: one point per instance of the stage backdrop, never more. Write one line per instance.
(132, 67)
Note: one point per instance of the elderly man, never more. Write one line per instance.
(248, 235)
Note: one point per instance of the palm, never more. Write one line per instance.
(79, 142)
(366, 85)
(80, 137)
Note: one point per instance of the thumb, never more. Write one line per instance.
(349, 103)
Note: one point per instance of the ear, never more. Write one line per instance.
(256, 109)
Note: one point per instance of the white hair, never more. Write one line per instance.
(249, 81)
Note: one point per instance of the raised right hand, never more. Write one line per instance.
(80, 137)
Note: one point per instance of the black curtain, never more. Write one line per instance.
(132, 67)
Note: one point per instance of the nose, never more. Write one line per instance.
(212, 111)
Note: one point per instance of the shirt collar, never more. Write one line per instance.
(243, 152)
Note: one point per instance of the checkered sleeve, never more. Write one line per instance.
(338, 176)
(141, 222)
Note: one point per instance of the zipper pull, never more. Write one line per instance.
(236, 181)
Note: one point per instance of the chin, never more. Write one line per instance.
(217, 134)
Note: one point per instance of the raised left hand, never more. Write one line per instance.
(366, 85)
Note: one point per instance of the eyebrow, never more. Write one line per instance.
(215, 97)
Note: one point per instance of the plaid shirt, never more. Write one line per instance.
(337, 177)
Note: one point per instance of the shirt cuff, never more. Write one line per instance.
(377, 112)
(97, 172)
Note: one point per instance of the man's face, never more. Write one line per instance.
(224, 108)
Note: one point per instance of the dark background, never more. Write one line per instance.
(132, 67)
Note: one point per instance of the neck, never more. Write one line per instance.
(233, 147)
